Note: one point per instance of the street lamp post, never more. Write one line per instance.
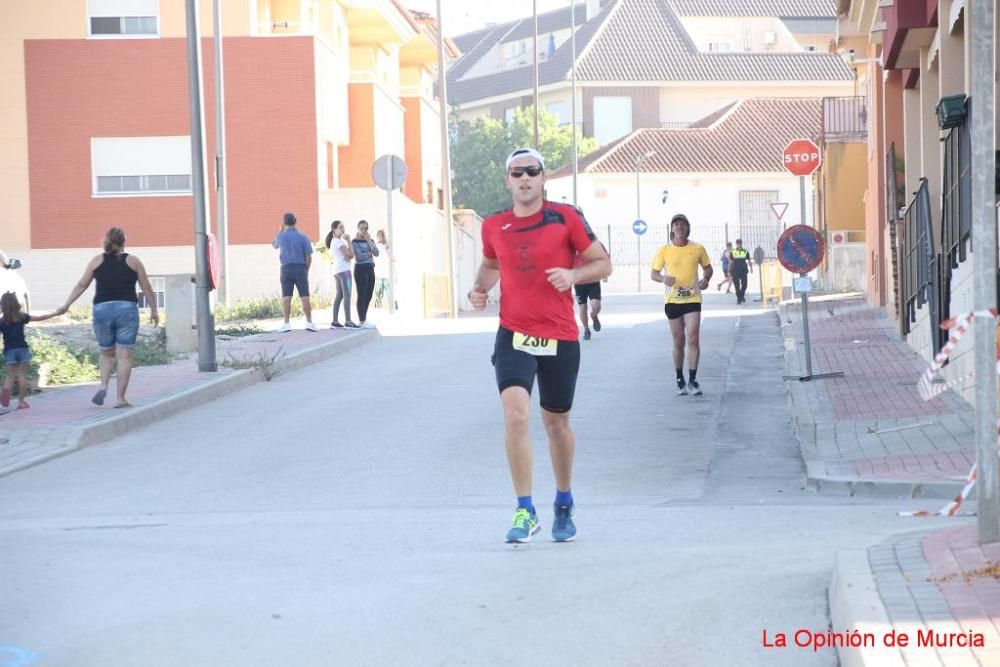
(203, 307)
(639, 159)
(446, 165)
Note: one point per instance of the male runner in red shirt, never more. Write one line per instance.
(530, 248)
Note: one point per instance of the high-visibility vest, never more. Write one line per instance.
(740, 253)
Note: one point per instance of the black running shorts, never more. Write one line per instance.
(556, 374)
(586, 291)
(676, 310)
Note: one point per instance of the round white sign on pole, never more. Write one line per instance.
(389, 172)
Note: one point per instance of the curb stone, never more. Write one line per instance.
(855, 604)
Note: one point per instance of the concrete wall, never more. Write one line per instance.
(687, 103)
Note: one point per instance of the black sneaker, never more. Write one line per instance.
(336, 325)
(682, 389)
(597, 323)
(351, 325)
(695, 388)
(586, 334)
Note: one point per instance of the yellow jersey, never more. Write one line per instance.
(682, 263)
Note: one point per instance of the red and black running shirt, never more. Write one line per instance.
(525, 248)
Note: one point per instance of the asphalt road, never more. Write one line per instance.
(353, 513)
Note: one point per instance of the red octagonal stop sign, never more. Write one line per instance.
(801, 157)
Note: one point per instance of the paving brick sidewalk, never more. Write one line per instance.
(869, 431)
(63, 419)
(930, 586)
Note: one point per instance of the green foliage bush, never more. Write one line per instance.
(66, 366)
(264, 309)
(480, 149)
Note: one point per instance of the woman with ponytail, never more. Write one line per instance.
(116, 309)
(341, 255)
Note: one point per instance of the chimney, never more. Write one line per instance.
(593, 8)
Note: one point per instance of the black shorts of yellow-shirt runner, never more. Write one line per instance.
(586, 291)
(556, 374)
(677, 310)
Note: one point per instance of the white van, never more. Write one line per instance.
(11, 281)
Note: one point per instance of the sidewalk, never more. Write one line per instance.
(869, 432)
(63, 419)
(939, 586)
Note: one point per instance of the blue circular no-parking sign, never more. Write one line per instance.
(639, 227)
(800, 249)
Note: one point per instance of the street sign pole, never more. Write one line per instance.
(388, 209)
(389, 172)
(800, 250)
(802, 200)
(805, 333)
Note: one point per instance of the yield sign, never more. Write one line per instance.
(779, 208)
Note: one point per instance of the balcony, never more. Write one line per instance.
(845, 119)
(909, 26)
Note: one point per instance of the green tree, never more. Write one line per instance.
(480, 147)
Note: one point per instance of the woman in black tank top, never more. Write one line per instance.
(116, 309)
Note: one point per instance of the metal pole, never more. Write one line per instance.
(388, 209)
(446, 165)
(534, 40)
(203, 309)
(984, 257)
(802, 200)
(638, 216)
(220, 158)
(805, 330)
(572, 39)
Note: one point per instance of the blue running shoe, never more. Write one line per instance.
(525, 525)
(563, 528)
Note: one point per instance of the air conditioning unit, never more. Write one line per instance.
(770, 38)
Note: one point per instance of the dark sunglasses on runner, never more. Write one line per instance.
(518, 172)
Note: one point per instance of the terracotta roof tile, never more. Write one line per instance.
(748, 136)
(782, 8)
(639, 41)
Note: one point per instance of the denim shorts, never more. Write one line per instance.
(297, 276)
(19, 355)
(116, 323)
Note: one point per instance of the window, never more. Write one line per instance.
(720, 46)
(612, 118)
(508, 114)
(159, 288)
(810, 47)
(122, 18)
(560, 109)
(141, 166)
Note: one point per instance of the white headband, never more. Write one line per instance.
(526, 152)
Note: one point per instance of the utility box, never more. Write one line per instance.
(178, 306)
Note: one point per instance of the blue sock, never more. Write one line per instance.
(564, 498)
(525, 502)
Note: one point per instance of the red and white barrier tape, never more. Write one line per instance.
(951, 509)
(928, 391)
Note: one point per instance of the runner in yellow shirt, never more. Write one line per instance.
(676, 266)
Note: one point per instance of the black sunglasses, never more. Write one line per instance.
(518, 172)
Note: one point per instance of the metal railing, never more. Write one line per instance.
(845, 119)
(956, 213)
(892, 221)
(920, 283)
(674, 124)
(956, 216)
